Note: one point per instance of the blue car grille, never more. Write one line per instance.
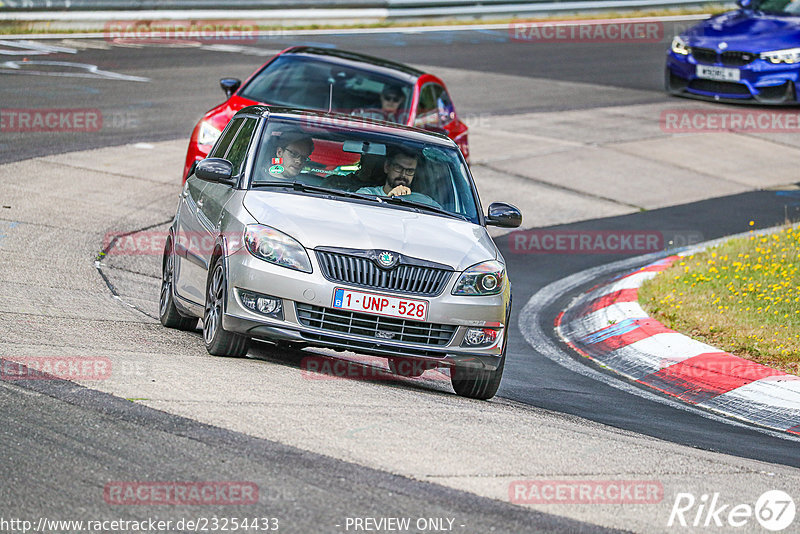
(729, 58)
(374, 326)
(704, 55)
(719, 88)
(737, 59)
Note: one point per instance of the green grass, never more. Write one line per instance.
(742, 296)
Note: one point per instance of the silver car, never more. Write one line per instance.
(326, 230)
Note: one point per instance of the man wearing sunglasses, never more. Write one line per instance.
(400, 168)
(391, 109)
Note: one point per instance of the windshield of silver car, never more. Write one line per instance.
(346, 156)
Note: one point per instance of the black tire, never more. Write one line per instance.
(477, 383)
(219, 341)
(167, 312)
(407, 367)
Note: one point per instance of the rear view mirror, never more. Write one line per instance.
(230, 85)
(503, 215)
(215, 170)
(364, 147)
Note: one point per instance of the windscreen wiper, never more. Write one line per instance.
(427, 207)
(300, 186)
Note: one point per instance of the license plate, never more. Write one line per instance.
(377, 304)
(723, 74)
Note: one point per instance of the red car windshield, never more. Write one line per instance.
(303, 82)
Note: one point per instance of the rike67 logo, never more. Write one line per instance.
(774, 510)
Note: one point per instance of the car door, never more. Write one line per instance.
(191, 259)
(216, 195)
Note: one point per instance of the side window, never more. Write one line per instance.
(225, 139)
(427, 108)
(238, 151)
(444, 105)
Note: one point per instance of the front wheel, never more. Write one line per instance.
(167, 312)
(477, 383)
(219, 341)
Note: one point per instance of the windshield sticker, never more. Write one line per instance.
(277, 161)
(276, 169)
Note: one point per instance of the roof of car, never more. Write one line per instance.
(342, 56)
(339, 119)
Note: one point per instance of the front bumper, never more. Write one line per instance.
(311, 293)
(760, 82)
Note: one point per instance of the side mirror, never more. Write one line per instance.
(447, 112)
(745, 4)
(503, 215)
(215, 170)
(230, 85)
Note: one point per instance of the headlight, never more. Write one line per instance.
(482, 279)
(679, 46)
(790, 55)
(208, 134)
(270, 245)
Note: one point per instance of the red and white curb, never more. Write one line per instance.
(607, 325)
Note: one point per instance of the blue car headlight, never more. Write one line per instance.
(482, 279)
(680, 46)
(270, 245)
(788, 56)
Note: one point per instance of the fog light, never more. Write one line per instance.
(268, 306)
(263, 304)
(479, 336)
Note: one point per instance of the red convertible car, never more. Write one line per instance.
(335, 80)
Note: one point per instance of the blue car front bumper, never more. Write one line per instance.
(759, 80)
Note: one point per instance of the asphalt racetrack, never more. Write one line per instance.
(568, 131)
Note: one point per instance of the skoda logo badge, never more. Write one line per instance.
(386, 259)
(723, 45)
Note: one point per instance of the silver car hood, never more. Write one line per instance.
(319, 222)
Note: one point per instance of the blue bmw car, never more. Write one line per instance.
(748, 55)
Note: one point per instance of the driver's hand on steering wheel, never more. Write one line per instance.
(399, 191)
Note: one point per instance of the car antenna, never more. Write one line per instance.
(330, 99)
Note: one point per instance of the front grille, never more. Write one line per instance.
(362, 324)
(729, 58)
(719, 88)
(705, 55)
(361, 271)
(736, 59)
